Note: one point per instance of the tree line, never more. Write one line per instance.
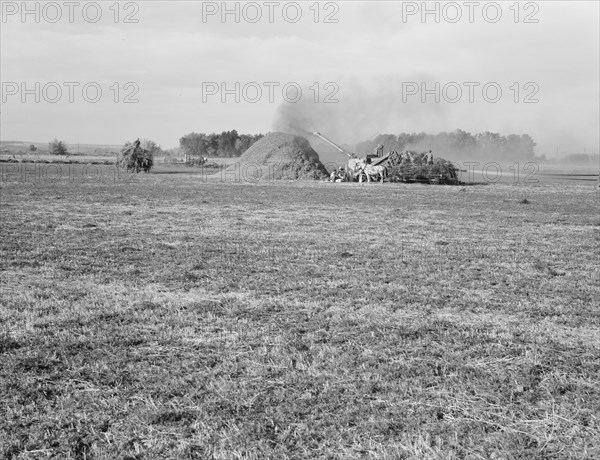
(226, 144)
(457, 144)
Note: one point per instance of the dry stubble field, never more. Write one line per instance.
(170, 317)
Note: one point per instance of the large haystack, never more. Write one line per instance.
(280, 156)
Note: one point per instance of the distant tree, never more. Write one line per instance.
(462, 142)
(151, 146)
(32, 148)
(243, 143)
(457, 144)
(212, 145)
(57, 147)
(405, 140)
(194, 145)
(524, 146)
(226, 143)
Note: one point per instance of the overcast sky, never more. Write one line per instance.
(369, 58)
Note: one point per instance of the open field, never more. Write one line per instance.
(171, 316)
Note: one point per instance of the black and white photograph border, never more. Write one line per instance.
(299, 230)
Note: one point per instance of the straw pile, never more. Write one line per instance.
(281, 156)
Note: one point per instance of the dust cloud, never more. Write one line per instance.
(365, 115)
(356, 112)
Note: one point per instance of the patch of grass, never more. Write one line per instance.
(183, 318)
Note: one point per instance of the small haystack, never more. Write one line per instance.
(280, 156)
